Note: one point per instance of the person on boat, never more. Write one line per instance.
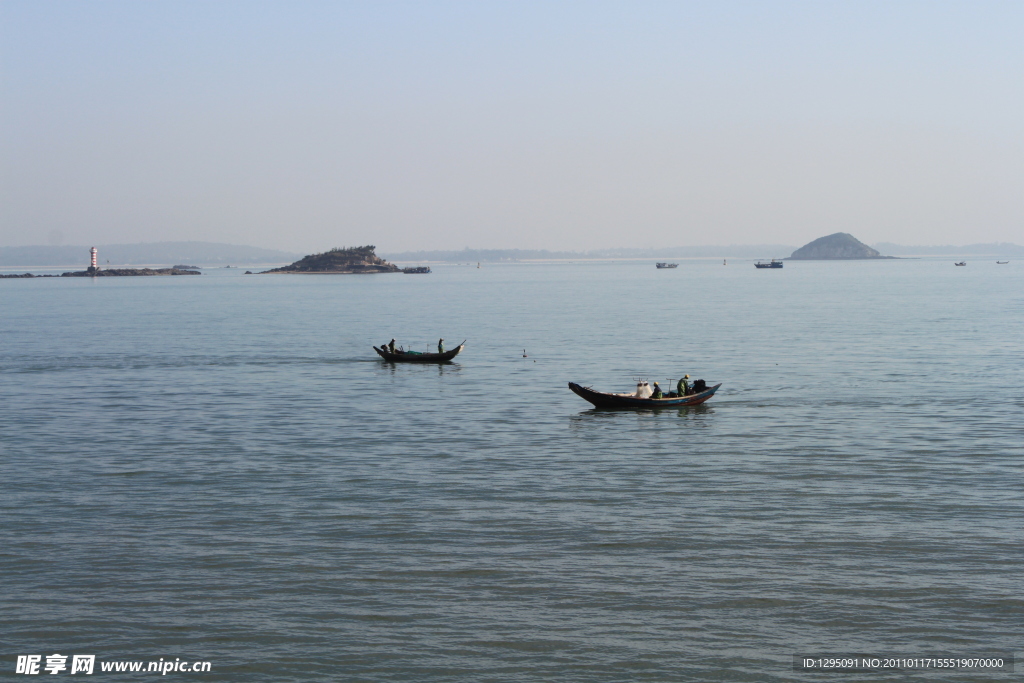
(683, 387)
(440, 345)
(657, 392)
(391, 346)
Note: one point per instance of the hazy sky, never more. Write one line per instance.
(306, 125)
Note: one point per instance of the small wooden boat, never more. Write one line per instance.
(962, 263)
(603, 400)
(774, 263)
(666, 265)
(1002, 263)
(412, 357)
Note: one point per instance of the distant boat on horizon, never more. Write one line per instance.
(774, 263)
(1002, 263)
(666, 265)
(962, 263)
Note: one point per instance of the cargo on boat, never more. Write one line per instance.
(633, 401)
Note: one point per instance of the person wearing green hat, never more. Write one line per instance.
(683, 387)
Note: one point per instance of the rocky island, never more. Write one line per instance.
(114, 272)
(341, 260)
(838, 246)
(94, 271)
(128, 272)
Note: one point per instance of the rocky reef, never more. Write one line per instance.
(22, 275)
(114, 272)
(127, 272)
(341, 260)
(840, 245)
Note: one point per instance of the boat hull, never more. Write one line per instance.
(419, 357)
(618, 401)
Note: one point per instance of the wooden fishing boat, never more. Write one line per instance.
(411, 357)
(603, 400)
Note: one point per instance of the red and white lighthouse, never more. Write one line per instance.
(92, 258)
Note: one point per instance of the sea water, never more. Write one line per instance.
(219, 468)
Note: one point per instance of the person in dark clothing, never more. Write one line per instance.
(440, 345)
(391, 346)
(683, 387)
(657, 392)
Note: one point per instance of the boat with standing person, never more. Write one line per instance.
(402, 356)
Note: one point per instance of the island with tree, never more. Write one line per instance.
(837, 246)
(341, 260)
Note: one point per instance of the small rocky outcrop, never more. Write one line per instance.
(840, 245)
(341, 260)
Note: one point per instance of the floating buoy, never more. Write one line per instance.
(524, 353)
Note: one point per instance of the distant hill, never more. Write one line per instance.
(340, 260)
(151, 253)
(474, 255)
(837, 246)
